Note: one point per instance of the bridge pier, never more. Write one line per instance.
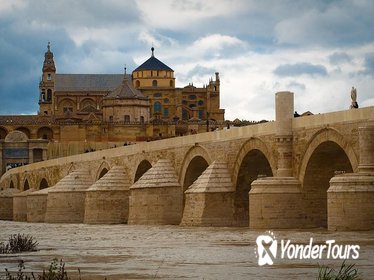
(20, 205)
(107, 200)
(37, 205)
(276, 202)
(65, 201)
(156, 198)
(6, 203)
(210, 199)
(350, 196)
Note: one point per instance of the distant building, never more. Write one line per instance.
(85, 96)
(112, 108)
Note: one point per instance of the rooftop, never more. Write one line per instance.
(126, 90)
(153, 64)
(87, 82)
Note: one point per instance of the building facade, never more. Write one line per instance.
(113, 109)
(81, 96)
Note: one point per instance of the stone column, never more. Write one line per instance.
(276, 202)
(284, 110)
(350, 196)
(31, 155)
(366, 141)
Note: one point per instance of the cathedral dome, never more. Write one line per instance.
(153, 74)
(126, 104)
(153, 64)
(126, 91)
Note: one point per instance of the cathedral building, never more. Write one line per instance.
(107, 109)
(85, 96)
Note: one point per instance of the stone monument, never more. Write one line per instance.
(354, 104)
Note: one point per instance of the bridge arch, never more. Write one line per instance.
(253, 159)
(196, 160)
(327, 152)
(143, 166)
(324, 135)
(102, 170)
(43, 184)
(26, 185)
(250, 145)
(13, 182)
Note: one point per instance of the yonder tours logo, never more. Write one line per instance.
(267, 248)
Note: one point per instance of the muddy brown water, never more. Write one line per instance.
(172, 252)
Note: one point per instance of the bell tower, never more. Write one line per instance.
(47, 84)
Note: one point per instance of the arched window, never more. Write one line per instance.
(137, 83)
(127, 119)
(157, 107)
(154, 83)
(45, 133)
(67, 106)
(88, 105)
(166, 100)
(24, 130)
(49, 94)
(141, 119)
(200, 103)
(166, 112)
(171, 83)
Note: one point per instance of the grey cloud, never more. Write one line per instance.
(296, 85)
(86, 13)
(266, 26)
(187, 5)
(343, 22)
(300, 69)
(339, 57)
(369, 64)
(196, 72)
(199, 70)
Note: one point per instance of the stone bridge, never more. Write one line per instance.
(304, 172)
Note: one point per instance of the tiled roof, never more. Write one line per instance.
(153, 64)
(126, 90)
(87, 82)
(23, 119)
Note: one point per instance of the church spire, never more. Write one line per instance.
(49, 64)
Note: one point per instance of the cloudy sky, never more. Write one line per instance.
(317, 49)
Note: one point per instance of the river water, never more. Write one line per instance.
(173, 252)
